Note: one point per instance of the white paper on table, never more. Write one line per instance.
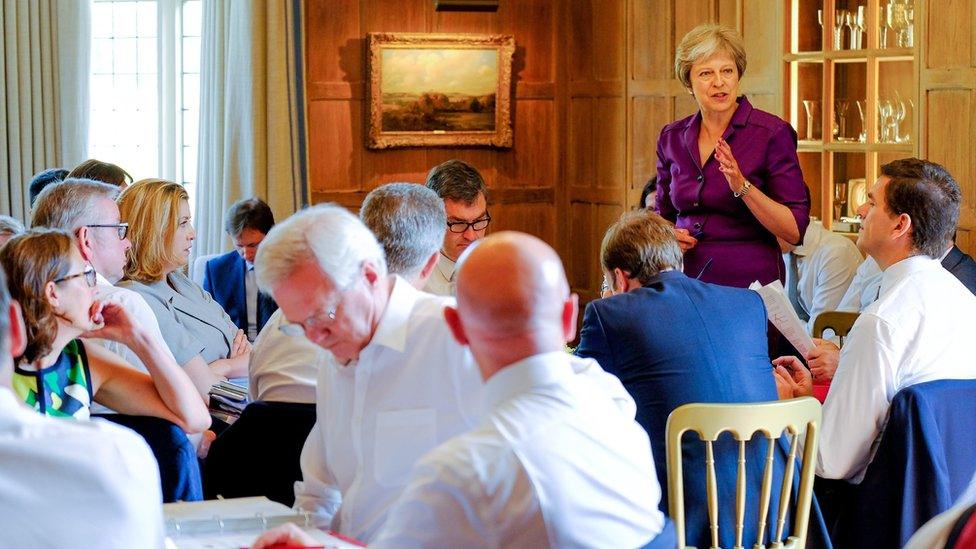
(781, 313)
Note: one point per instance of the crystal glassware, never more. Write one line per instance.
(841, 107)
(857, 28)
(885, 112)
(812, 107)
(898, 115)
(839, 18)
(861, 105)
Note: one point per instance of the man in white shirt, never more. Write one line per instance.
(395, 383)
(819, 271)
(69, 483)
(408, 220)
(87, 209)
(919, 329)
(558, 461)
(465, 198)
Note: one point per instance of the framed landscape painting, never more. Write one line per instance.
(440, 90)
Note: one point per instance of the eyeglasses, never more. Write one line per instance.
(122, 228)
(462, 226)
(317, 320)
(91, 277)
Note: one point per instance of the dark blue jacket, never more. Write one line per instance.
(224, 279)
(679, 340)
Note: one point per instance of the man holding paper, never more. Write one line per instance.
(919, 329)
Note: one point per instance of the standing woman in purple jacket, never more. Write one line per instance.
(728, 176)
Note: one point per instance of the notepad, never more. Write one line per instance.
(782, 315)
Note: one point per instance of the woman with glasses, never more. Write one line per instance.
(202, 337)
(58, 373)
(728, 176)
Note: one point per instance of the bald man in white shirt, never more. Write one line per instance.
(559, 460)
(919, 329)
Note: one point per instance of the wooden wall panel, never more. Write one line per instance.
(947, 81)
(522, 180)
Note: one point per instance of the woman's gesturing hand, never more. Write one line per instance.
(728, 165)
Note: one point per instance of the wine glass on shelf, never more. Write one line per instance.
(812, 108)
(898, 114)
(861, 105)
(857, 28)
(820, 22)
(841, 106)
(840, 17)
(885, 111)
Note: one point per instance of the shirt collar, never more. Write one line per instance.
(392, 329)
(942, 258)
(811, 239)
(905, 268)
(446, 267)
(519, 377)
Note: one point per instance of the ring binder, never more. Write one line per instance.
(235, 522)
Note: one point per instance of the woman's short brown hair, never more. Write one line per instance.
(642, 244)
(105, 172)
(703, 42)
(151, 206)
(31, 260)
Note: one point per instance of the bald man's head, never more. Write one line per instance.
(513, 297)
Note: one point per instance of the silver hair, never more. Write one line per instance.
(409, 220)
(328, 234)
(10, 225)
(70, 204)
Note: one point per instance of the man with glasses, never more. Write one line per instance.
(465, 198)
(87, 209)
(395, 383)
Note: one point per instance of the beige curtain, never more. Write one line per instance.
(252, 113)
(44, 89)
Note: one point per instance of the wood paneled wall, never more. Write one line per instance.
(593, 83)
(522, 180)
(948, 99)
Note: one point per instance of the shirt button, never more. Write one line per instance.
(698, 225)
(701, 178)
(696, 204)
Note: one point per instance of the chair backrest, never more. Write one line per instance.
(797, 416)
(200, 268)
(840, 322)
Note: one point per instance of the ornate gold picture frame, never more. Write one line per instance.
(435, 90)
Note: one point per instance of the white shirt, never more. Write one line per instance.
(283, 368)
(935, 533)
(864, 288)
(826, 263)
(920, 329)
(441, 281)
(140, 314)
(558, 462)
(251, 301)
(412, 388)
(71, 483)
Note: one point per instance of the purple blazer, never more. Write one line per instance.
(733, 248)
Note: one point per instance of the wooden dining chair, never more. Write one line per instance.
(797, 417)
(840, 322)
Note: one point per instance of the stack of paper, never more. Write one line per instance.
(228, 399)
(782, 315)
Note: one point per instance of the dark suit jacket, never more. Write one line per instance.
(224, 279)
(962, 266)
(679, 340)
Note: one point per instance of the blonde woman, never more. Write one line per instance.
(59, 374)
(198, 331)
(728, 176)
